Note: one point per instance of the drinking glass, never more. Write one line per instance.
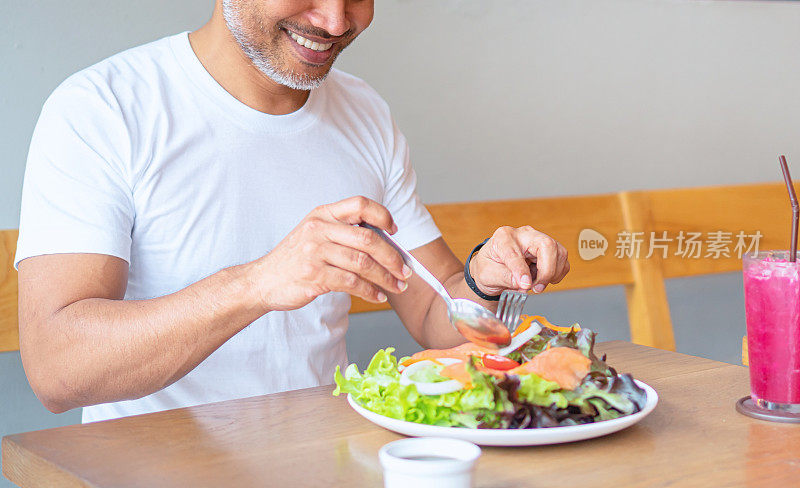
(772, 308)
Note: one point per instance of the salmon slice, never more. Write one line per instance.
(462, 352)
(562, 365)
(459, 372)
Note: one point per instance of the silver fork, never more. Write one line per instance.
(510, 308)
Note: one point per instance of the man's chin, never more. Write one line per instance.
(295, 66)
(298, 80)
(314, 74)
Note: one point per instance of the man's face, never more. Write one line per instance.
(295, 42)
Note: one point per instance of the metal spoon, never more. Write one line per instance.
(472, 320)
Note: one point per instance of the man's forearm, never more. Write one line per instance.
(437, 328)
(99, 350)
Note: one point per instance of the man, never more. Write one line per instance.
(187, 231)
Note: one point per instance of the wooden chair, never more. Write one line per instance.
(764, 208)
(9, 319)
(727, 209)
(748, 208)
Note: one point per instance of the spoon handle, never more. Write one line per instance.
(412, 263)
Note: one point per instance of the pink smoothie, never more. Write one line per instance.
(772, 306)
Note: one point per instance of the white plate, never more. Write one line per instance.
(513, 437)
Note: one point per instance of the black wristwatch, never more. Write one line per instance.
(471, 282)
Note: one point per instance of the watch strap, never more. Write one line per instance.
(471, 281)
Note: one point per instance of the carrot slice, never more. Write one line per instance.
(527, 320)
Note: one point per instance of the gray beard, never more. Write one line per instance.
(260, 60)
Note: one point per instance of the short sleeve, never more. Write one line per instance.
(414, 223)
(76, 195)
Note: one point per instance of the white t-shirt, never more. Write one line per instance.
(144, 156)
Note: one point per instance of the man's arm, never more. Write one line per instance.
(419, 307)
(82, 344)
(514, 258)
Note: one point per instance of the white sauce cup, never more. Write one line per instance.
(428, 462)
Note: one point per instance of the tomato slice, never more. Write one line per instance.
(501, 363)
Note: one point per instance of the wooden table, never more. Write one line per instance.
(309, 438)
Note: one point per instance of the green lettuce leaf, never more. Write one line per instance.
(538, 391)
(428, 374)
(378, 389)
(608, 396)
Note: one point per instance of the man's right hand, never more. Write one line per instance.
(328, 252)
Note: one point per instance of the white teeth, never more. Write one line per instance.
(308, 43)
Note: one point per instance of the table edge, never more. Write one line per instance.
(716, 364)
(18, 460)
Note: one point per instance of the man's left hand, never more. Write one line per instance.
(518, 259)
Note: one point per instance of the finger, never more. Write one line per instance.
(563, 265)
(337, 279)
(520, 271)
(564, 274)
(546, 264)
(359, 209)
(545, 251)
(534, 270)
(508, 250)
(361, 264)
(367, 241)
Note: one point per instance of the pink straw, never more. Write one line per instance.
(795, 207)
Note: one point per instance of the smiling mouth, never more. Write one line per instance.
(308, 43)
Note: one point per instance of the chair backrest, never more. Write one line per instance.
(9, 332)
(716, 213)
(708, 210)
(463, 225)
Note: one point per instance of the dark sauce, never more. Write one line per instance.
(429, 458)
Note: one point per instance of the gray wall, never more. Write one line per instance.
(568, 96)
(512, 98)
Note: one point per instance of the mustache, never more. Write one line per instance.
(313, 31)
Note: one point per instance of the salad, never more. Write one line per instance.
(548, 377)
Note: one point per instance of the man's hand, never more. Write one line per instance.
(518, 259)
(327, 252)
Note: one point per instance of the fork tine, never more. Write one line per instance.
(508, 311)
(509, 314)
(510, 308)
(511, 305)
(506, 307)
(523, 297)
(501, 305)
(515, 310)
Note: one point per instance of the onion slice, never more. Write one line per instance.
(521, 338)
(438, 388)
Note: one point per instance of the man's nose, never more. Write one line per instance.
(330, 15)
